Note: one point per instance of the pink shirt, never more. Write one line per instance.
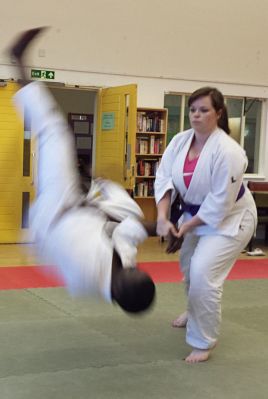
(188, 169)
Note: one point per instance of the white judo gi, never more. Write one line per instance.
(229, 213)
(71, 231)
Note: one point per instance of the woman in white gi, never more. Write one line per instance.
(93, 255)
(205, 166)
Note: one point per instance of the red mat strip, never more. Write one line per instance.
(162, 272)
(168, 272)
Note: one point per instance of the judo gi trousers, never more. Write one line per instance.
(58, 180)
(205, 262)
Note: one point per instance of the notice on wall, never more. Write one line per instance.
(107, 121)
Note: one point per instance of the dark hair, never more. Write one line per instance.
(133, 290)
(217, 101)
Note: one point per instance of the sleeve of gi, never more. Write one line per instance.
(163, 181)
(227, 178)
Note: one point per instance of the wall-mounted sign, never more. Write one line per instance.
(107, 121)
(42, 74)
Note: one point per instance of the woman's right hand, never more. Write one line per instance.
(164, 227)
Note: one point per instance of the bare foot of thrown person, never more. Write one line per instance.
(18, 48)
(181, 321)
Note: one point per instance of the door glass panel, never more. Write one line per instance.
(186, 124)
(173, 104)
(25, 210)
(234, 108)
(26, 150)
(252, 133)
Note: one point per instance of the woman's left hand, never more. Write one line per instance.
(183, 229)
(190, 225)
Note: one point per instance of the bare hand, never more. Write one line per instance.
(164, 226)
(175, 240)
(173, 243)
(183, 229)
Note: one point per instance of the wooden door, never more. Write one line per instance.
(115, 135)
(16, 173)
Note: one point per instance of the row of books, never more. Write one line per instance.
(149, 145)
(149, 122)
(144, 189)
(147, 167)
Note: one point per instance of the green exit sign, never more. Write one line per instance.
(42, 74)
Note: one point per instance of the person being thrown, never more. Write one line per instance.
(91, 240)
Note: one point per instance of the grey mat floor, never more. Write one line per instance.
(54, 347)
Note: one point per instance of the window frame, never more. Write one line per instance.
(263, 124)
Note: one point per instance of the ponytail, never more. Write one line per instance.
(223, 122)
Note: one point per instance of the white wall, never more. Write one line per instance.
(163, 46)
(214, 40)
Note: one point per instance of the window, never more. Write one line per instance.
(244, 114)
(26, 147)
(235, 114)
(173, 104)
(252, 133)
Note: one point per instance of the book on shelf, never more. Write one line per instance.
(142, 145)
(140, 168)
(141, 121)
(152, 143)
(162, 125)
(156, 165)
(150, 121)
(149, 145)
(147, 167)
(144, 189)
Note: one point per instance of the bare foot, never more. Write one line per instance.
(198, 355)
(22, 42)
(19, 47)
(181, 321)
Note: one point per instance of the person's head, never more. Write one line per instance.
(207, 110)
(133, 290)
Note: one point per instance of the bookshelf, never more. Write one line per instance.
(151, 132)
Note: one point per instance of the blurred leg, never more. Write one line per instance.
(58, 181)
